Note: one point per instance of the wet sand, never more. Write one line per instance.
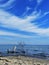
(22, 60)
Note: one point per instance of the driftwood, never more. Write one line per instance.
(5, 59)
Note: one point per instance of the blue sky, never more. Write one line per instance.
(24, 20)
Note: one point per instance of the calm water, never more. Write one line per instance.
(30, 49)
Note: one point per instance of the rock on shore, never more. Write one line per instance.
(22, 60)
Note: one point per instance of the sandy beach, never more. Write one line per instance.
(22, 60)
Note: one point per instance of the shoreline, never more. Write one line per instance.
(22, 60)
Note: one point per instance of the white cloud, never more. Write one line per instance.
(14, 22)
(11, 21)
(39, 1)
(13, 34)
(26, 11)
(39, 31)
(45, 20)
(45, 13)
(7, 5)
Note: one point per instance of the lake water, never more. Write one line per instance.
(30, 49)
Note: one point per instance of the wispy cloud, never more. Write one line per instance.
(11, 21)
(39, 1)
(8, 19)
(5, 33)
(7, 5)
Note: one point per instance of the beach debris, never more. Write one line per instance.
(19, 50)
(20, 63)
(4, 59)
(12, 51)
(5, 63)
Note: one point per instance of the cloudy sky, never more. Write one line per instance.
(24, 20)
